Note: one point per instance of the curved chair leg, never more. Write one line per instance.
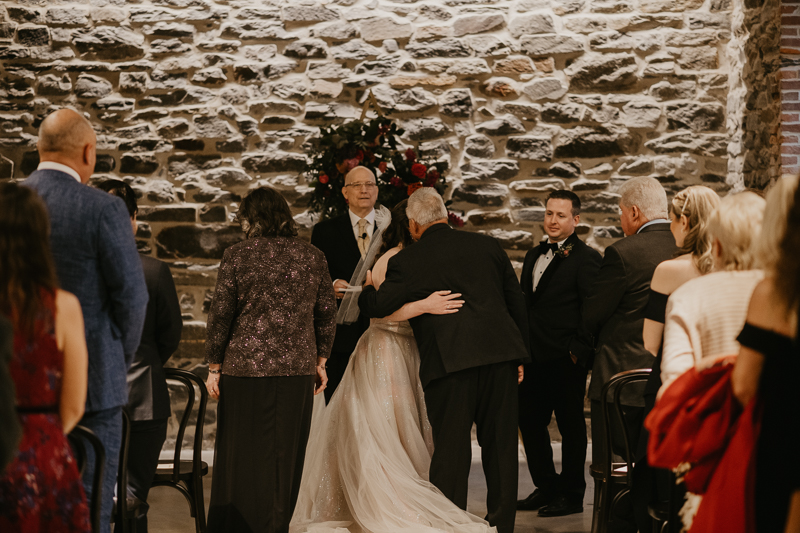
(598, 518)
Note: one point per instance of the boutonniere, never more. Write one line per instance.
(564, 250)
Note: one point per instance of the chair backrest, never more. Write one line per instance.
(189, 381)
(615, 386)
(78, 438)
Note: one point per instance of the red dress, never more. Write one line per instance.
(41, 489)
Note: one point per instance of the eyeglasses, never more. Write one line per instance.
(368, 185)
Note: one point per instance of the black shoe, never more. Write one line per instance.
(561, 507)
(536, 500)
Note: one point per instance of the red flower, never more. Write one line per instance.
(397, 182)
(351, 163)
(411, 155)
(419, 170)
(382, 166)
(323, 178)
(455, 220)
(413, 187)
(433, 177)
(360, 155)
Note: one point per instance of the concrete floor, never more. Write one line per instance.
(169, 512)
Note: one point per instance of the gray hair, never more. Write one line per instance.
(425, 206)
(64, 131)
(647, 194)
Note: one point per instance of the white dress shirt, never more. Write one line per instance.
(370, 218)
(52, 165)
(542, 262)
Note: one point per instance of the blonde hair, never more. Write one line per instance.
(647, 194)
(780, 199)
(736, 224)
(696, 203)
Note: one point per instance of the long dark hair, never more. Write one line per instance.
(787, 268)
(122, 190)
(397, 234)
(26, 265)
(265, 213)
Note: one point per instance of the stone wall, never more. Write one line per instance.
(790, 87)
(197, 101)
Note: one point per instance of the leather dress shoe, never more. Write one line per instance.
(536, 500)
(561, 507)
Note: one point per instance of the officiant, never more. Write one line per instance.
(345, 240)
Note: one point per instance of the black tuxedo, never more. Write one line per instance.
(335, 238)
(148, 397)
(614, 317)
(553, 382)
(468, 359)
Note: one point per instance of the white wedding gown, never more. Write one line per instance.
(366, 466)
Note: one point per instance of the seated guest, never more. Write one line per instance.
(148, 397)
(270, 332)
(704, 315)
(769, 363)
(689, 212)
(41, 489)
(9, 421)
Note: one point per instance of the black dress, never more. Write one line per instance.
(777, 467)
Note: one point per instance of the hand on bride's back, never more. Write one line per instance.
(442, 303)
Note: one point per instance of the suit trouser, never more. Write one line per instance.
(555, 386)
(107, 425)
(147, 438)
(487, 396)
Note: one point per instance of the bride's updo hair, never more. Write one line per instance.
(265, 213)
(397, 234)
(696, 203)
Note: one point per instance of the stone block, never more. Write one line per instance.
(500, 87)
(545, 89)
(696, 116)
(212, 127)
(306, 49)
(138, 163)
(563, 113)
(530, 214)
(189, 145)
(584, 142)
(210, 76)
(538, 185)
(301, 13)
(603, 73)
(640, 114)
(381, 28)
(511, 240)
(328, 71)
(337, 31)
(482, 194)
(489, 46)
(30, 35)
(167, 214)
(550, 45)
(52, 85)
(709, 145)
(457, 67)
(480, 217)
(432, 33)
(66, 16)
(442, 48)
(700, 58)
(520, 110)
(456, 103)
(255, 30)
(106, 42)
(88, 86)
(531, 25)
(275, 161)
(637, 166)
(479, 146)
(530, 148)
(213, 213)
(504, 125)
(585, 24)
(673, 90)
(565, 170)
(675, 6)
(354, 49)
(474, 24)
(423, 129)
(24, 15)
(108, 14)
(514, 66)
(601, 202)
(384, 65)
(196, 241)
(490, 169)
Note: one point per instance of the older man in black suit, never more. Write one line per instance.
(470, 361)
(614, 312)
(556, 278)
(345, 240)
(148, 397)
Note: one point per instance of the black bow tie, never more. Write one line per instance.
(553, 246)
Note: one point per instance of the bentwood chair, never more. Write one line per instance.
(187, 476)
(126, 508)
(78, 438)
(613, 480)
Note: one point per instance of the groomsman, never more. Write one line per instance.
(345, 240)
(556, 278)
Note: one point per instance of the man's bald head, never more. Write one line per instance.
(66, 137)
(65, 132)
(358, 174)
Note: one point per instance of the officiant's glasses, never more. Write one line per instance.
(368, 185)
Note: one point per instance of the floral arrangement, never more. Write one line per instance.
(371, 143)
(564, 250)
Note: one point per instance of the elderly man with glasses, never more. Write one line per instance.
(345, 240)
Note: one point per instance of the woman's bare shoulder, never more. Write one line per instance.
(383, 260)
(671, 274)
(767, 311)
(66, 302)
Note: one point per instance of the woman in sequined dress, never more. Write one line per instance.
(270, 332)
(41, 489)
(367, 462)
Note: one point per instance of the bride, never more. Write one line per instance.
(366, 467)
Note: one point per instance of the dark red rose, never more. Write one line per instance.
(413, 187)
(419, 170)
(323, 178)
(360, 155)
(411, 155)
(382, 166)
(455, 220)
(397, 182)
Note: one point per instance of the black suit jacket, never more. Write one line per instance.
(148, 397)
(554, 310)
(491, 327)
(9, 420)
(335, 238)
(613, 315)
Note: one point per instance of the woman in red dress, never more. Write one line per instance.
(41, 490)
